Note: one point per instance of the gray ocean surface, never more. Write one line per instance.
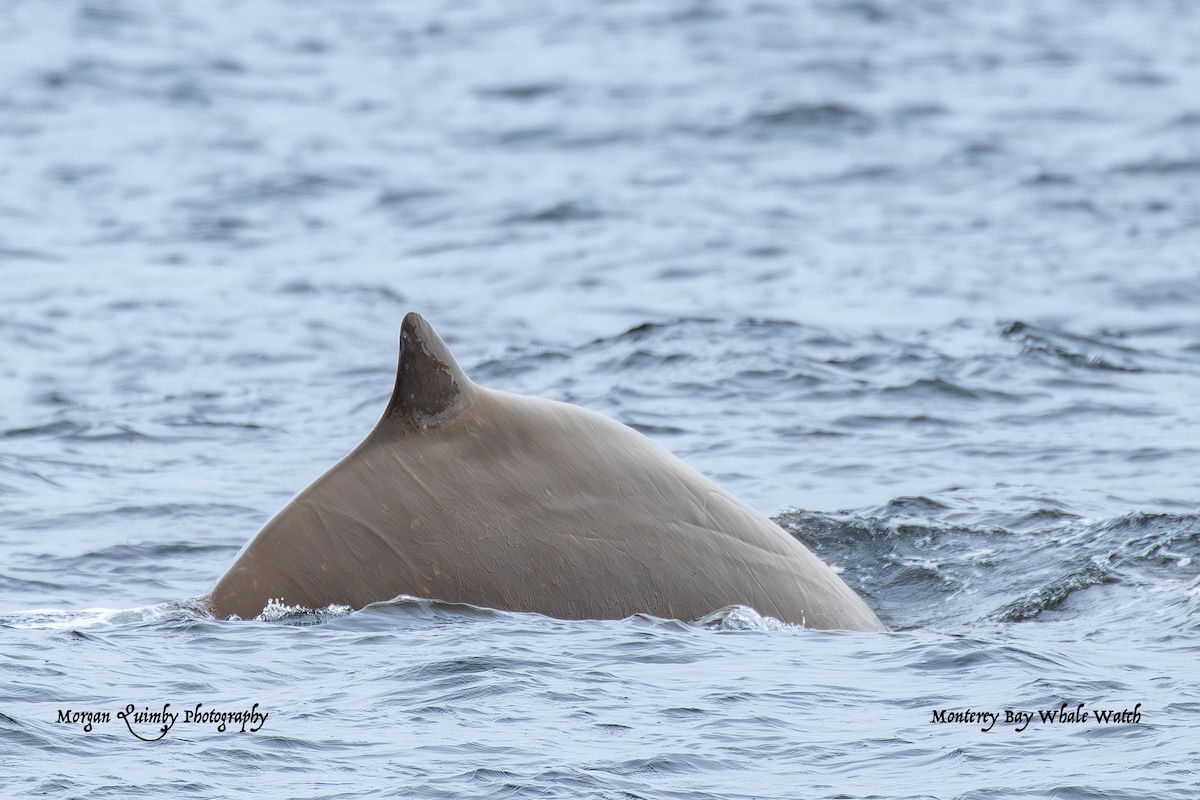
(920, 279)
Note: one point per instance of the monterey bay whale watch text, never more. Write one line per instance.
(1065, 714)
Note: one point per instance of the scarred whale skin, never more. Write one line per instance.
(470, 495)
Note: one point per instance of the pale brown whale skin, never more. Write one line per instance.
(470, 495)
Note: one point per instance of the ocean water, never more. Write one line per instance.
(917, 278)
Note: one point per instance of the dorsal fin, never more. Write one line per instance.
(430, 387)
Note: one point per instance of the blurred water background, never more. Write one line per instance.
(918, 278)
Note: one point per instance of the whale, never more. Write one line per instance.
(470, 495)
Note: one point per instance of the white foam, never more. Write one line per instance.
(276, 610)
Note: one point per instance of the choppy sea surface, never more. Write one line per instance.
(917, 278)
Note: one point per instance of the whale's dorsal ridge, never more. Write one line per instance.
(430, 386)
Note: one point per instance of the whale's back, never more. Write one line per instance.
(530, 505)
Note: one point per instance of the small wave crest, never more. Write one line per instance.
(1011, 566)
(741, 618)
(74, 619)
